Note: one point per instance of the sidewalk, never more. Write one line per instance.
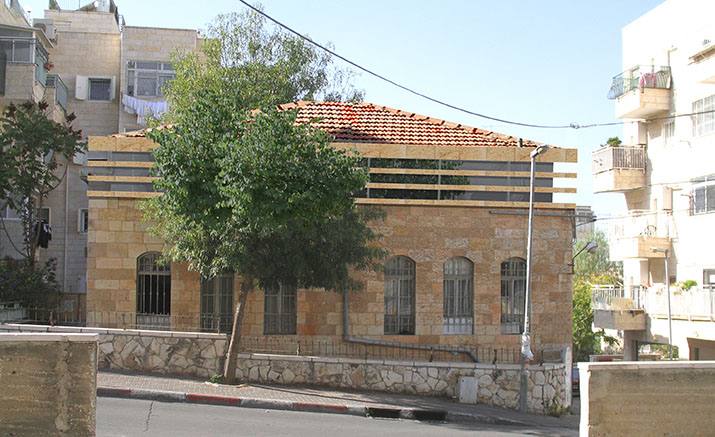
(318, 400)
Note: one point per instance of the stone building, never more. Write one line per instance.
(455, 230)
(110, 75)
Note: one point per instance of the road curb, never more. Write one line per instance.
(274, 404)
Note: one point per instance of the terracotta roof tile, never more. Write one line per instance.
(369, 123)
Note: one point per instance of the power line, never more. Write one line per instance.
(442, 102)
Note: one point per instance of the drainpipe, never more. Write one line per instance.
(375, 342)
(64, 249)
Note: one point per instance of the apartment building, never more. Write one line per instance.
(85, 61)
(456, 203)
(665, 169)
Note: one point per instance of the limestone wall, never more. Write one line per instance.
(164, 352)
(49, 384)
(647, 398)
(497, 385)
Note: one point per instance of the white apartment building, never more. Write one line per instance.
(84, 61)
(665, 169)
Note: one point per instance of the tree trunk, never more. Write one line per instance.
(229, 368)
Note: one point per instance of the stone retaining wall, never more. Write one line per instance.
(49, 384)
(166, 352)
(497, 385)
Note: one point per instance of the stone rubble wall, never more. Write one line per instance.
(201, 355)
(497, 385)
(163, 352)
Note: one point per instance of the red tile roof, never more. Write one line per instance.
(369, 123)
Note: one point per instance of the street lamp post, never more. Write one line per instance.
(526, 354)
(667, 291)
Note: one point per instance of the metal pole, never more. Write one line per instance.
(526, 354)
(670, 319)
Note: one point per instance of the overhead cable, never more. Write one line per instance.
(442, 102)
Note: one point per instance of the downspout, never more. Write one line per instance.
(375, 342)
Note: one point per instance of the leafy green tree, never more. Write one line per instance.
(34, 152)
(271, 201)
(590, 269)
(245, 63)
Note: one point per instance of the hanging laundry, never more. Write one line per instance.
(43, 230)
(144, 108)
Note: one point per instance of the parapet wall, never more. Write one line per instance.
(49, 384)
(165, 352)
(496, 384)
(647, 398)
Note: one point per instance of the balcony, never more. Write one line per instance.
(702, 64)
(641, 235)
(617, 308)
(23, 74)
(695, 304)
(619, 169)
(641, 92)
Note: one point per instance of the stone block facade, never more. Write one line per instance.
(49, 384)
(428, 235)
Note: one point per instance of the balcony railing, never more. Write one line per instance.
(54, 81)
(698, 303)
(612, 297)
(640, 77)
(610, 158)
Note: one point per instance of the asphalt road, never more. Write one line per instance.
(131, 417)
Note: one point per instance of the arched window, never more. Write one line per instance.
(153, 292)
(513, 289)
(400, 296)
(217, 303)
(458, 296)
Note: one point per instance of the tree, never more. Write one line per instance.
(34, 152)
(589, 269)
(272, 202)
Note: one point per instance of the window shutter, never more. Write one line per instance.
(113, 88)
(81, 91)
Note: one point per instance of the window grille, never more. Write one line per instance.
(153, 291)
(146, 79)
(704, 124)
(100, 89)
(703, 195)
(513, 289)
(400, 296)
(217, 303)
(83, 220)
(458, 296)
(279, 311)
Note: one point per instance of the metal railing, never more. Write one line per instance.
(332, 347)
(696, 303)
(54, 81)
(619, 157)
(616, 297)
(640, 77)
(276, 344)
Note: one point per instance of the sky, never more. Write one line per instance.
(533, 61)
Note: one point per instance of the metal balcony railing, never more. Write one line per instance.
(640, 77)
(613, 297)
(619, 157)
(54, 81)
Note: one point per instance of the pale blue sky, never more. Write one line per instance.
(536, 61)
